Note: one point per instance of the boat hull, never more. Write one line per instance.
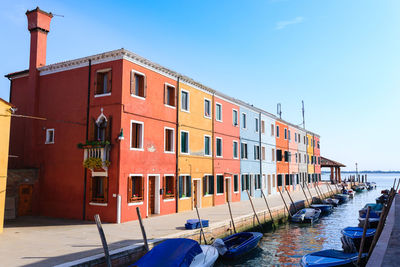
(240, 244)
(329, 257)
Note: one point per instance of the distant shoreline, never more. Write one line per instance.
(365, 172)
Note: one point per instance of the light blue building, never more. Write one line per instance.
(268, 153)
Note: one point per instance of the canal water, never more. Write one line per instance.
(287, 244)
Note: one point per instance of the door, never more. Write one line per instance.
(152, 194)
(227, 190)
(25, 199)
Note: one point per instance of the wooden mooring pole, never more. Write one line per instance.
(103, 240)
(304, 192)
(284, 202)
(230, 213)
(378, 232)
(360, 252)
(146, 245)
(254, 210)
(330, 189)
(291, 200)
(201, 226)
(270, 213)
(308, 189)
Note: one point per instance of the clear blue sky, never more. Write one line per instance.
(341, 57)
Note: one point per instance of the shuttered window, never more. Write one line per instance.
(220, 184)
(207, 145)
(103, 82)
(235, 183)
(169, 95)
(136, 135)
(169, 186)
(185, 183)
(138, 84)
(208, 185)
(185, 100)
(218, 112)
(278, 155)
(98, 189)
(169, 140)
(135, 188)
(235, 149)
(184, 142)
(219, 147)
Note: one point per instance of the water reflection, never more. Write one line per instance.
(287, 244)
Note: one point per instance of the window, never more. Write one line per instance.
(299, 157)
(207, 108)
(299, 139)
(286, 156)
(49, 136)
(273, 154)
(100, 129)
(272, 129)
(285, 133)
(277, 130)
(169, 188)
(138, 84)
(256, 124)
(218, 112)
(103, 82)
(243, 150)
(263, 127)
(319, 160)
(169, 95)
(287, 179)
(185, 186)
(235, 149)
(136, 135)
(304, 138)
(98, 189)
(245, 182)
(185, 100)
(289, 135)
(273, 180)
(244, 123)
(169, 140)
(296, 157)
(219, 147)
(318, 144)
(207, 145)
(263, 153)
(135, 188)
(235, 183)
(278, 155)
(280, 179)
(295, 137)
(257, 152)
(220, 184)
(184, 142)
(234, 117)
(208, 185)
(257, 178)
(305, 158)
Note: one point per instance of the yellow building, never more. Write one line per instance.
(310, 154)
(195, 146)
(5, 119)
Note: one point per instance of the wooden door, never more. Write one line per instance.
(152, 194)
(25, 199)
(195, 190)
(227, 190)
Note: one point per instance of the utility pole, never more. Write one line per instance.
(279, 110)
(302, 111)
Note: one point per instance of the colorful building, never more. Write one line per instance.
(317, 157)
(302, 156)
(310, 157)
(268, 153)
(293, 137)
(282, 155)
(5, 120)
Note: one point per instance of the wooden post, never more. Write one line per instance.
(363, 236)
(287, 191)
(254, 210)
(302, 188)
(103, 240)
(322, 196)
(308, 189)
(329, 189)
(270, 213)
(284, 202)
(378, 232)
(397, 188)
(146, 245)
(394, 183)
(230, 212)
(201, 226)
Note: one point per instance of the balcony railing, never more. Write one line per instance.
(101, 152)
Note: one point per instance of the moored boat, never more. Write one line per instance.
(350, 192)
(325, 208)
(179, 252)
(307, 215)
(372, 222)
(237, 245)
(342, 198)
(355, 234)
(376, 210)
(332, 201)
(330, 257)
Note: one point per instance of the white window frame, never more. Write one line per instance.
(165, 86)
(257, 125)
(233, 150)
(204, 114)
(255, 151)
(247, 151)
(184, 185)
(144, 75)
(273, 129)
(173, 140)
(216, 183)
(104, 94)
(48, 135)
(278, 130)
(130, 136)
(136, 203)
(237, 117)
(244, 122)
(180, 144)
(216, 147)
(233, 184)
(263, 157)
(188, 100)
(216, 113)
(209, 146)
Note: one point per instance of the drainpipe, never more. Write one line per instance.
(212, 149)
(259, 134)
(86, 137)
(176, 146)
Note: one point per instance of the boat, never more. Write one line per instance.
(330, 257)
(332, 201)
(236, 245)
(342, 198)
(358, 189)
(350, 192)
(372, 222)
(307, 215)
(353, 235)
(325, 208)
(179, 252)
(382, 199)
(375, 212)
(369, 186)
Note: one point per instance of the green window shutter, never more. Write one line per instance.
(180, 186)
(211, 184)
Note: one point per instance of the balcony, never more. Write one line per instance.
(96, 157)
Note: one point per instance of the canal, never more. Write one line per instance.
(287, 244)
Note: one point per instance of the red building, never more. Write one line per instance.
(114, 112)
(226, 140)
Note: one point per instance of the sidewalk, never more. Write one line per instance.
(39, 241)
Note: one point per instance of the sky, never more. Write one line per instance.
(341, 57)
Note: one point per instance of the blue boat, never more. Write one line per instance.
(355, 234)
(342, 198)
(237, 245)
(325, 208)
(330, 257)
(332, 201)
(179, 252)
(376, 210)
(306, 216)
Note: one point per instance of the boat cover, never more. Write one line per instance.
(172, 252)
(332, 253)
(356, 232)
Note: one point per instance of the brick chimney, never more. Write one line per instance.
(39, 26)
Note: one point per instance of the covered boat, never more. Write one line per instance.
(352, 236)
(306, 216)
(372, 222)
(325, 208)
(237, 245)
(376, 210)
(342, 198)
(350, 192)
(330, 257)
(179, 252)
(333, 201)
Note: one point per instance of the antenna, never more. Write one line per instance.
(302, 110)
(57, 15)
(279, 110)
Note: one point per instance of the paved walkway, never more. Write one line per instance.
(40, 241)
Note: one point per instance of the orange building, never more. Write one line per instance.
(282, 154)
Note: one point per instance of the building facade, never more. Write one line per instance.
(282, 155)
(268, 153)
(293, 157)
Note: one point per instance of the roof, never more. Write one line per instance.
(7, 103)
(10, 75)
(330, 163)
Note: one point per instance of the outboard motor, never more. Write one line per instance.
(220, 246)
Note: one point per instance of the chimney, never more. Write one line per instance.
(39, 26)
